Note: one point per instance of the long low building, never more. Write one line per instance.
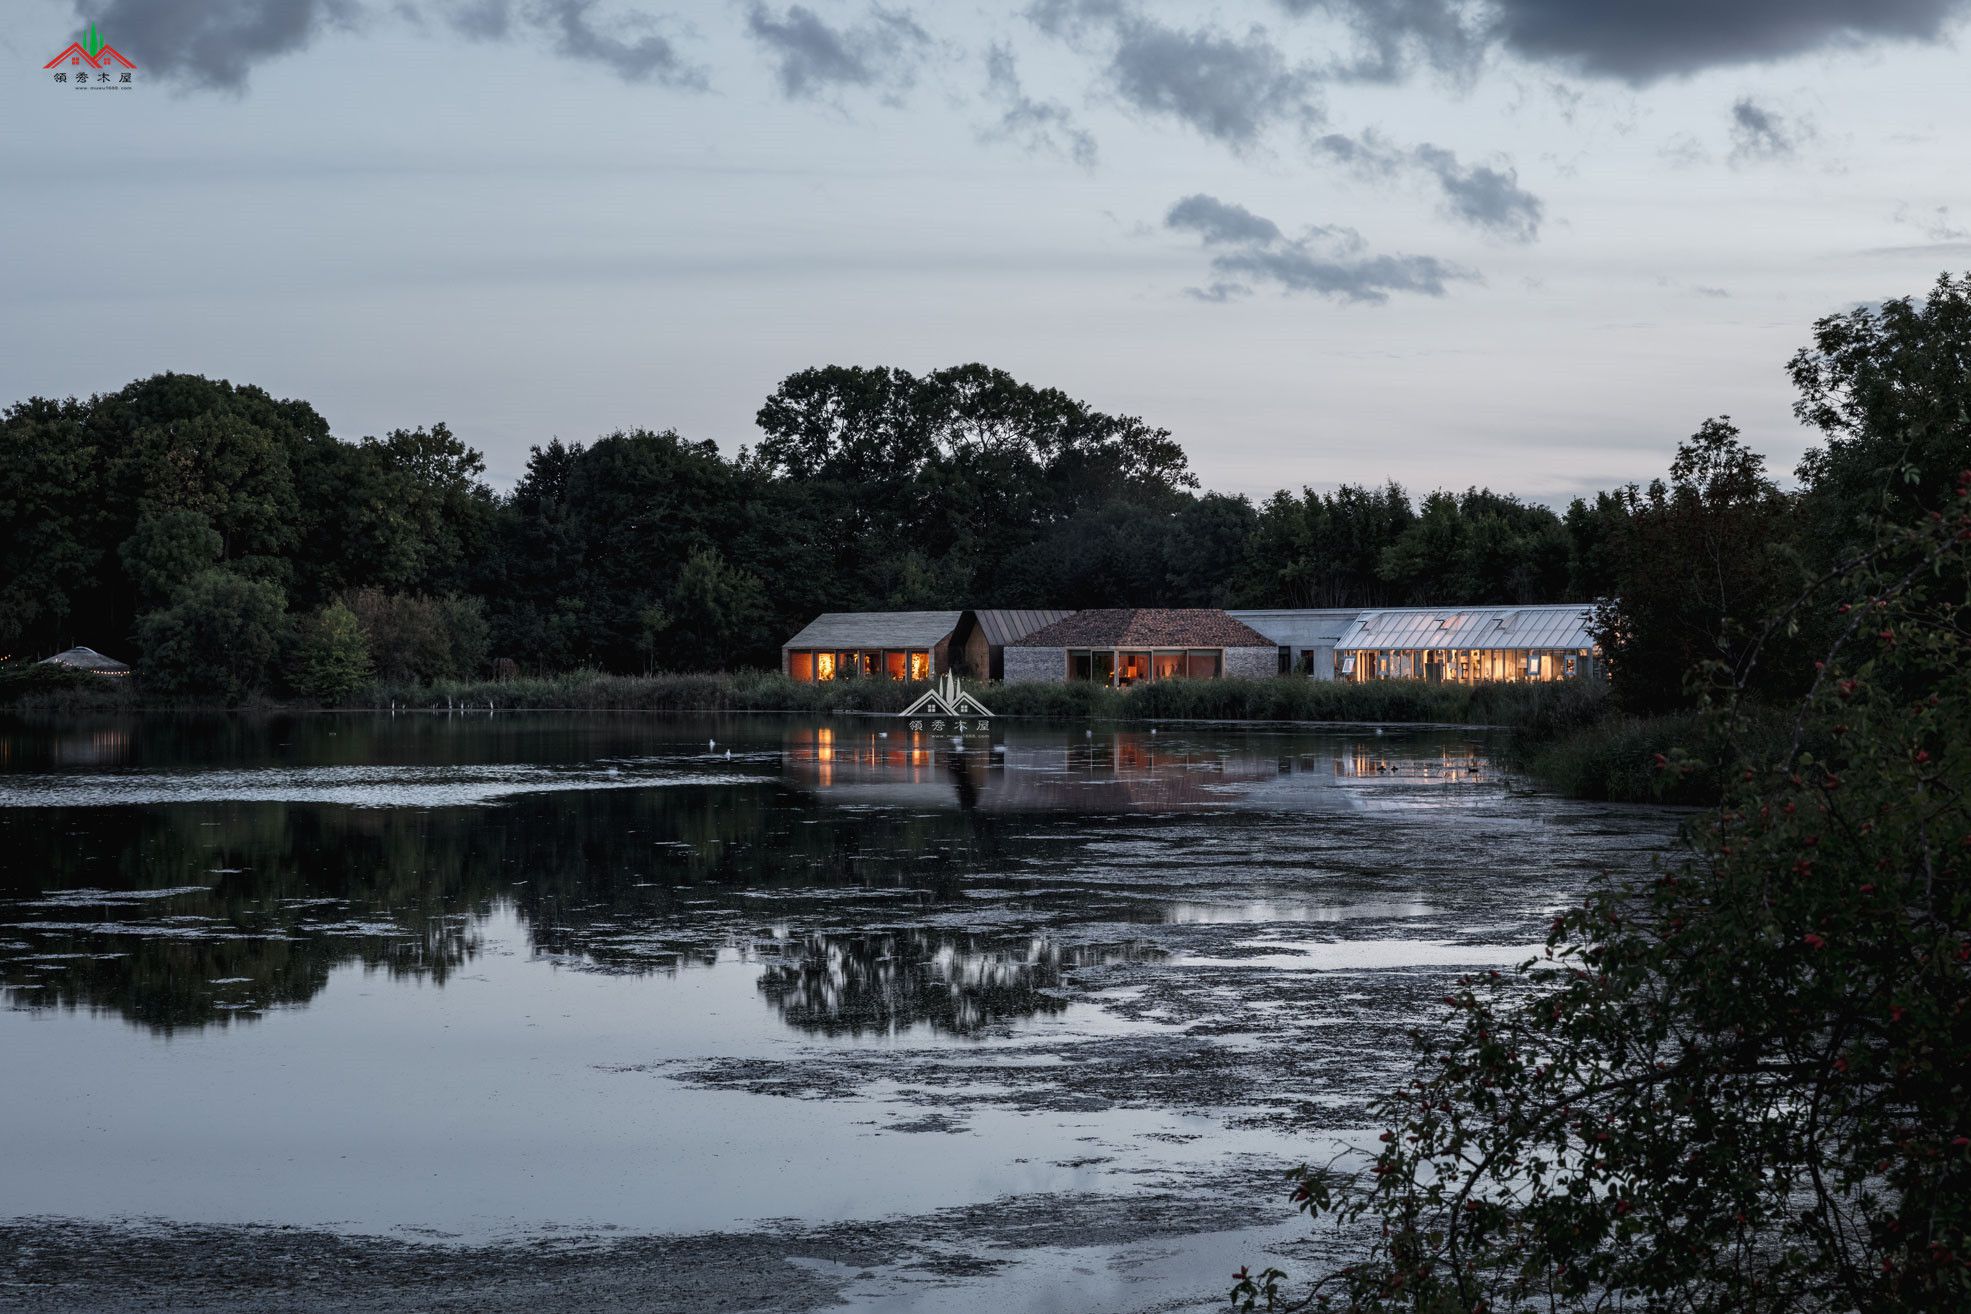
(1137, 645)
(1469, 645)
(909, 645)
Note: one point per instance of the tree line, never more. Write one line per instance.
(235, 544)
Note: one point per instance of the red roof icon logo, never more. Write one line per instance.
(91, 50)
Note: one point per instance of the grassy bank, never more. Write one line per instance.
(1185, 700)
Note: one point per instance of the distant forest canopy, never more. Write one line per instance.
(231, 541)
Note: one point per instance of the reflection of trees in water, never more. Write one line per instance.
(886, 982)
(285, 893)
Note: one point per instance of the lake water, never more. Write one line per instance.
(469, 980)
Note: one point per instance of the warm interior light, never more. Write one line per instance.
(920, 665)
(824, 666)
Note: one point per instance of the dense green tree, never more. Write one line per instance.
(1325, 549)
(166, 550)
(715, 611)
(413, 637)
(1593, 530)
(219, 639)
(332, 658)
(55, 529)
(1889, 387)
(1702, 561)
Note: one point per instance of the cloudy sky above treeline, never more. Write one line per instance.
(1527, 244)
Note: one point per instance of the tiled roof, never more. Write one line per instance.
(1553, 627)
(1147, 627)
(1003, 627)
(876, 629)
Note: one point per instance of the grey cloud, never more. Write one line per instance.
(1228, 88)
(1633, 42)
(813, 58)
(1933, 224)
(481, 20)
(1232, 88)
(1480, 195)
(215, 44)
(1394, 35)
(1216, 221)
(1036, 124)
(1485, 197)
(1324, 261)
(648, 57)
(1758, 133)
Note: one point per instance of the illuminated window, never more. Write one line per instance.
(896, 665)
(824, 666)
(1167, 665)
(800, 665)
(1204, 663)
(920, 665)
(1132, 668)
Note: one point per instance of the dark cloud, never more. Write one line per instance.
(1480, 195)
(1324, 261)
(1629, 40)
(1230, 87)
(1758, 133)
(813, 58)
(1643, 42)
(214, 44)
(1038, 125)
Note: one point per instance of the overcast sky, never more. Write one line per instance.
(1527, 244)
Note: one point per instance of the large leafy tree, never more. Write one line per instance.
(219, 639)
(1701, 562)
(1889, 387)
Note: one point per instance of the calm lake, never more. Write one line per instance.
(1050, 1005)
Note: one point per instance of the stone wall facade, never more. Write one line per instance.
(1252, 663)
(1031, 664)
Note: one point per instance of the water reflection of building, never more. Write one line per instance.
(1449, 763)
(1118, 770)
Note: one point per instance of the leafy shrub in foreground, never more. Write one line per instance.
(1746, 1087)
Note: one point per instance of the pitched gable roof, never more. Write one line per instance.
(876, 629)
(1148, 627)
(1003, 627)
